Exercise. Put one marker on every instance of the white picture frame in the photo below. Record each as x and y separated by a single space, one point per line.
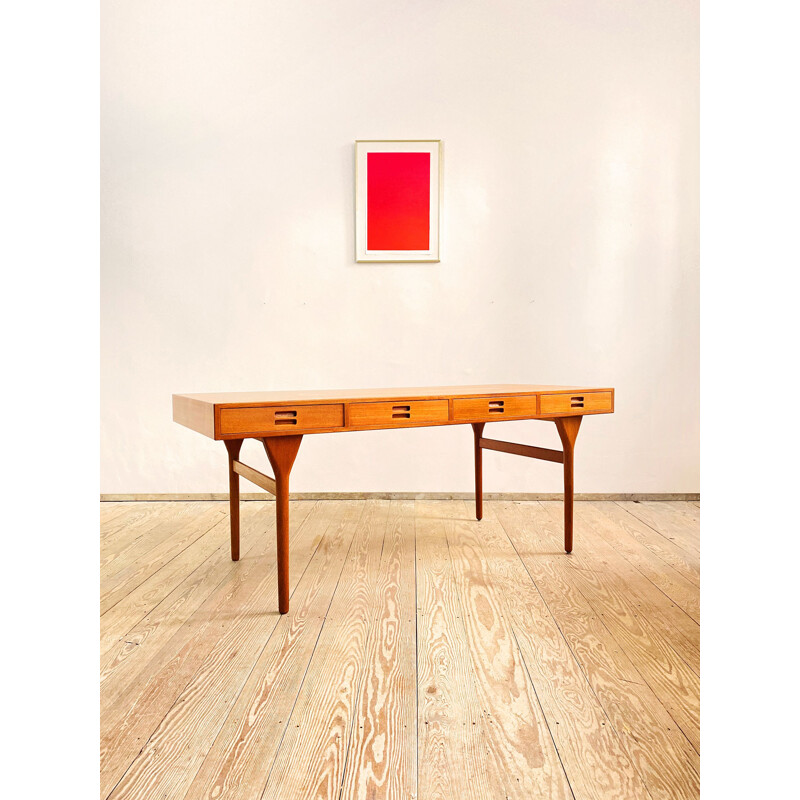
395 223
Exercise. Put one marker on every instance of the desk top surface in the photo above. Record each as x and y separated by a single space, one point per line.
361 395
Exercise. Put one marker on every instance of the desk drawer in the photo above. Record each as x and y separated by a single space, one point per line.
269 419
578 403
493 408
398 413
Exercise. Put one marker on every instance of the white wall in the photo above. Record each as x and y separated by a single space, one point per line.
570 230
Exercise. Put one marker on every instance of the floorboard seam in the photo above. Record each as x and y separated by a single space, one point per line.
636 669
602 582
541 708
416 649
357 693
231 567
314 650
169 561
473 671
177 698
575 656
649 549
646 577
656 530
177 586
260 652
667 639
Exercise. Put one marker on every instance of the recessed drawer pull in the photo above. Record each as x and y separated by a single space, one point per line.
397 414
262 420
576 404
470 409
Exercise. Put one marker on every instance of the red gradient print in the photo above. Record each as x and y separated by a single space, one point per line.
398 201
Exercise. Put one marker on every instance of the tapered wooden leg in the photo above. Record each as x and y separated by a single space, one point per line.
282 451
477 429
234 446
568 431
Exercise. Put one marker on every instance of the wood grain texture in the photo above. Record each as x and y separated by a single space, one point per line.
425 655
124 517
311 396
244 421
577 403
193 413
627 525
644 635
669 580
124 653
122 663
452 746
125 538
396 414
663 755
692 510
631 586
313 753
256 414
139 563
542 453
593 754
518 738
689 510
494 409
382 756
254 476
108 512
130 719
133 607
239 761
675 527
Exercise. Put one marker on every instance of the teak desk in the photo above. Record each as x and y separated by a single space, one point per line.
281 419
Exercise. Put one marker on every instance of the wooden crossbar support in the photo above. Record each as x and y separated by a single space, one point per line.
256 477
528 450
568 431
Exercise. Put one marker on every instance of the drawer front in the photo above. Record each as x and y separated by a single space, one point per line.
280 418
578 403
493 408
399 414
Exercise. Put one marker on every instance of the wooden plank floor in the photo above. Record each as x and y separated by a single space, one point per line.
425 655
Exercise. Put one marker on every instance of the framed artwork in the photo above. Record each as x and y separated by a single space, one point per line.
398 199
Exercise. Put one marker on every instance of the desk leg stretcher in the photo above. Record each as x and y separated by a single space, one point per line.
567 431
